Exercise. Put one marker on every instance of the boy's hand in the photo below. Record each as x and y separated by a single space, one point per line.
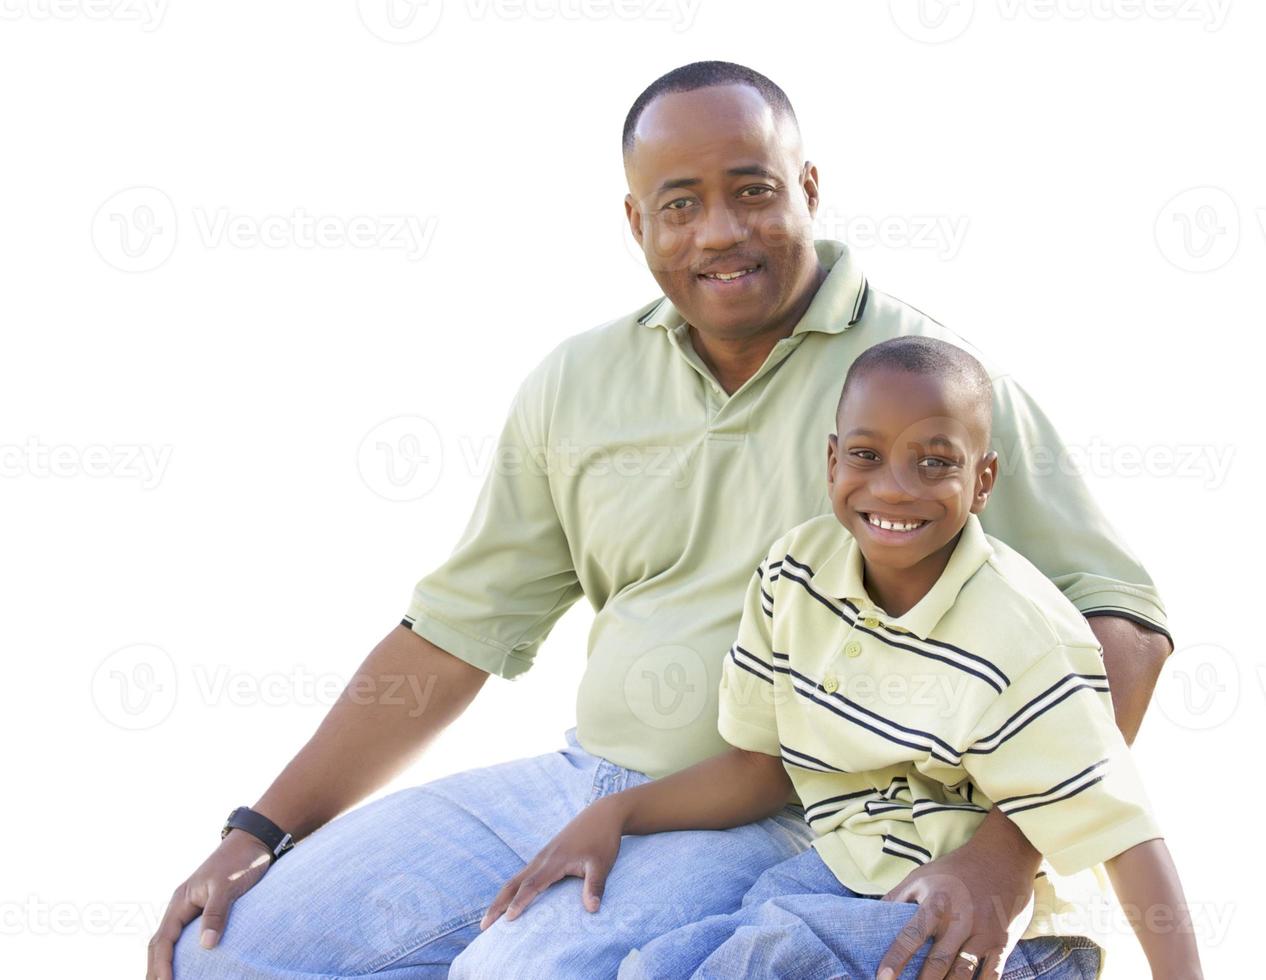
585 848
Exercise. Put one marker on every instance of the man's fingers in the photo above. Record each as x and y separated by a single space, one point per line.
909 941
162 945
214 917
595 884
943 959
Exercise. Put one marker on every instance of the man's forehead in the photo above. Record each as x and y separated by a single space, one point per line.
707 126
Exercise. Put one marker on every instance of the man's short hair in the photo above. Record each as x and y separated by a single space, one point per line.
705 74
926 355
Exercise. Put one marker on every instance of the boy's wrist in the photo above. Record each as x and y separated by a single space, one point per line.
615 808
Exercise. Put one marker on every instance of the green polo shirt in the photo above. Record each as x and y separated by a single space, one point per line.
899 733
625 474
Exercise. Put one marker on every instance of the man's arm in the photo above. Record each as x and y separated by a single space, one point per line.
973 893
368 736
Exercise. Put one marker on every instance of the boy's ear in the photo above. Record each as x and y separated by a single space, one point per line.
832 458
986 476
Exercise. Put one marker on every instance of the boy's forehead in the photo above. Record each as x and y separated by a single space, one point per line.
886 401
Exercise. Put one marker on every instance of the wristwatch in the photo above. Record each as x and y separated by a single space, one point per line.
259 826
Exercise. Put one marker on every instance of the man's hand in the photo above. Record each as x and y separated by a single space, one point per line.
231 870
586 848
968 902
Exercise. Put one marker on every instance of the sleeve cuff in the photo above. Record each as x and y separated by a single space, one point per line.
1102 847
1136 607
477 652
744 735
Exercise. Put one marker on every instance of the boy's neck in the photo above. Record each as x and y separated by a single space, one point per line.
898 590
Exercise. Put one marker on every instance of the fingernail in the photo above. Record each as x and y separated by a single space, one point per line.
209 936
885 974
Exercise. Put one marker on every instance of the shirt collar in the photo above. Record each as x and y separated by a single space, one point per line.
836 306
841 576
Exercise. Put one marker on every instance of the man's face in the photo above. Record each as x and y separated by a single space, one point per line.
723 208
908 465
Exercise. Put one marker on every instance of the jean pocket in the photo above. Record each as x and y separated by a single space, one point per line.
1054 958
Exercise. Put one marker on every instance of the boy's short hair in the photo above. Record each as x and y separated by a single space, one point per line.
926 355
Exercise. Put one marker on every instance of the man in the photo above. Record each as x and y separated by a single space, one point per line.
637 466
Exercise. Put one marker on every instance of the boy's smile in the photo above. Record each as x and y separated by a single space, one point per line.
910 462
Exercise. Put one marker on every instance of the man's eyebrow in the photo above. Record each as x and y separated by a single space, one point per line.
754 170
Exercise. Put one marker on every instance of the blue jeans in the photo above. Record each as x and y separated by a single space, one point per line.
396 888
799 921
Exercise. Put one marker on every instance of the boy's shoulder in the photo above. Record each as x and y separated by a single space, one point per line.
809 543
1026 615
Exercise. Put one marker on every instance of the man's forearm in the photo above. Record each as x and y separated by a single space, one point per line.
1133 656
405 693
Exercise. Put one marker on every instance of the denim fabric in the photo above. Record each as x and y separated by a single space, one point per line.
396 888
799 921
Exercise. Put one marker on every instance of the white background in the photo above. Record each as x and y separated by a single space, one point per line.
173 631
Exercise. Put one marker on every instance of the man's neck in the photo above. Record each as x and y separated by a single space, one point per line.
733 360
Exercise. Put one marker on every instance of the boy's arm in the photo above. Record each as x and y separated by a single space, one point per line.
1147 886
728 790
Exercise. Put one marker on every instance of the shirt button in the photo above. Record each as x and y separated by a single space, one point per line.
853 649
830 684
871 622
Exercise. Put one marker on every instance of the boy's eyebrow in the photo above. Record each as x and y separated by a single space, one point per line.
865 433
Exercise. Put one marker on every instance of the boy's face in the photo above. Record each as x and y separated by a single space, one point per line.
911 453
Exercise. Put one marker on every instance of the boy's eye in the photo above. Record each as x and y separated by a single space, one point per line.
935 462
867 454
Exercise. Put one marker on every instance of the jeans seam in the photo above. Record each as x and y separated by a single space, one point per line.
1029 971
447 928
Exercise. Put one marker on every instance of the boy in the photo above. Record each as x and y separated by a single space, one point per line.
901 672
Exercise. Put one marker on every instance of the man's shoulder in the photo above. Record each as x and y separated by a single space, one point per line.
586 356
885 316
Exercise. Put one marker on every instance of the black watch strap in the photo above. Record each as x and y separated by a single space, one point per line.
258 826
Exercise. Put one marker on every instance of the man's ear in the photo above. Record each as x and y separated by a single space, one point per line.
986 477
809 184
634 216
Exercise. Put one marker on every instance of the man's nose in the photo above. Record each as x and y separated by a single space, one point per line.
721 229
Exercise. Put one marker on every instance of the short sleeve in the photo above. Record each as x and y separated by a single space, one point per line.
745 715
1050 756
1043 509
511 575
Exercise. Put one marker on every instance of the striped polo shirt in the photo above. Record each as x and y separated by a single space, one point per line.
899 733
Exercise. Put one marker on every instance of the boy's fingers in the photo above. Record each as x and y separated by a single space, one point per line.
595 884
532 886
500 902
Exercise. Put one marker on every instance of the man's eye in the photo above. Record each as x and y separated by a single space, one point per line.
757 190
677 204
